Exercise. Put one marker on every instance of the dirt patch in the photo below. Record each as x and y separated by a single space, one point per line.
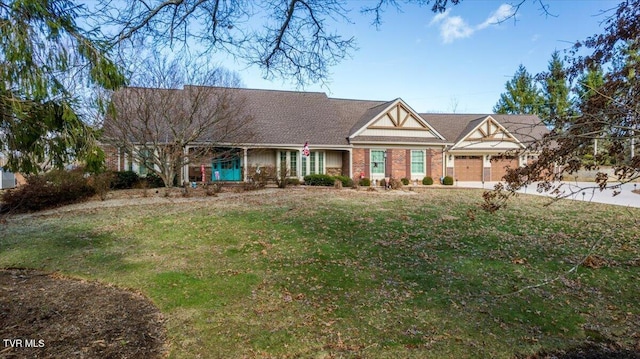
590 351
50 316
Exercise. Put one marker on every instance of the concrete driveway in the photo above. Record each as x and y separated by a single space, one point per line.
580 191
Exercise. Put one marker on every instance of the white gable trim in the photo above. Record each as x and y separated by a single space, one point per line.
481 128
419 124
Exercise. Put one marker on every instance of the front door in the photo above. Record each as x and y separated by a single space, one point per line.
226 169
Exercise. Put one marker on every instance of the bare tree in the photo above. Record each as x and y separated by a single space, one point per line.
164 129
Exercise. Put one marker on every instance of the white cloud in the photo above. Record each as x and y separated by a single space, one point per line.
455 27
504 12
451 27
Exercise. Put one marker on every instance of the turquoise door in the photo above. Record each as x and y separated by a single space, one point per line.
227 169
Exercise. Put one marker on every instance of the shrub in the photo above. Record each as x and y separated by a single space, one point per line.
259 177
405 181
293 181
319 180
101 183
346 181
212 189
365 182
153 180
448 181
124 180
53 189
427 181
395 183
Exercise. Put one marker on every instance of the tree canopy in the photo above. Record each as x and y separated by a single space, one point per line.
522 96
608 109
49 61
44 55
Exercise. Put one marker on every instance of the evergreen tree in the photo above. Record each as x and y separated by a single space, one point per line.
45 55
522 96
556 91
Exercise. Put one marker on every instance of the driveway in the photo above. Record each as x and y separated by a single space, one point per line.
580 191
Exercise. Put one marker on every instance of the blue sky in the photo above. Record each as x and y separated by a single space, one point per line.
453 62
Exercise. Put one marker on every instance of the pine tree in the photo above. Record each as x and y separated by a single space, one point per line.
522 96
45 55
556 91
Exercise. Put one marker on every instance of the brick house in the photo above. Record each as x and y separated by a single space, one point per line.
358 138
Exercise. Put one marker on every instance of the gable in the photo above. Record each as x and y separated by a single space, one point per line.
488 134
397 120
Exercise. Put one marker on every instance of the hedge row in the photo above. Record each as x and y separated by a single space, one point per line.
327 180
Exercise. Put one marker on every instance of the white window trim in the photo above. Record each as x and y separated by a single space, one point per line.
424 163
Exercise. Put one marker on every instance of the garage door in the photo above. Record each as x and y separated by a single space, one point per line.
468 168
500 165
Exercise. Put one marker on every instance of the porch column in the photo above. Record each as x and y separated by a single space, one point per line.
185 166
351 164
245 167
119 151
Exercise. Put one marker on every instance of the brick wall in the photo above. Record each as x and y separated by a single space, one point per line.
399 164
436 164
111 157
359 163
334 171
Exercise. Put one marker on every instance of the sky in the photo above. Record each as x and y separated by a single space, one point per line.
458 61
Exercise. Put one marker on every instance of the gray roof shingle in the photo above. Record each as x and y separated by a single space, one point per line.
293 118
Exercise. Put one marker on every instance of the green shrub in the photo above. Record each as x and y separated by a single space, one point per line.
365 182
448 181
427 181
319 180
53 189
405 181
124 180
346 181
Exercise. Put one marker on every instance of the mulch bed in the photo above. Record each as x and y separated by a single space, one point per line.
46 315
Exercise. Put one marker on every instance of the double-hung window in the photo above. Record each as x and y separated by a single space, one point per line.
377 162
417 162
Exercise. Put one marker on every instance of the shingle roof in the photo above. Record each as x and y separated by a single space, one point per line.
454 127
293 118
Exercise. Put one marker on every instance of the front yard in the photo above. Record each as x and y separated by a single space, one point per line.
326 273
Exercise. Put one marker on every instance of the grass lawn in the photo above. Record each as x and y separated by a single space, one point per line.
342 273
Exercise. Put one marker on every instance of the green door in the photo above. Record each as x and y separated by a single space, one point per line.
227 169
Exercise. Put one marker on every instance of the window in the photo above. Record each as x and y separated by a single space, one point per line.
377 162
145 161
417 162
304 165
290 158
312 160
293 160
314 164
